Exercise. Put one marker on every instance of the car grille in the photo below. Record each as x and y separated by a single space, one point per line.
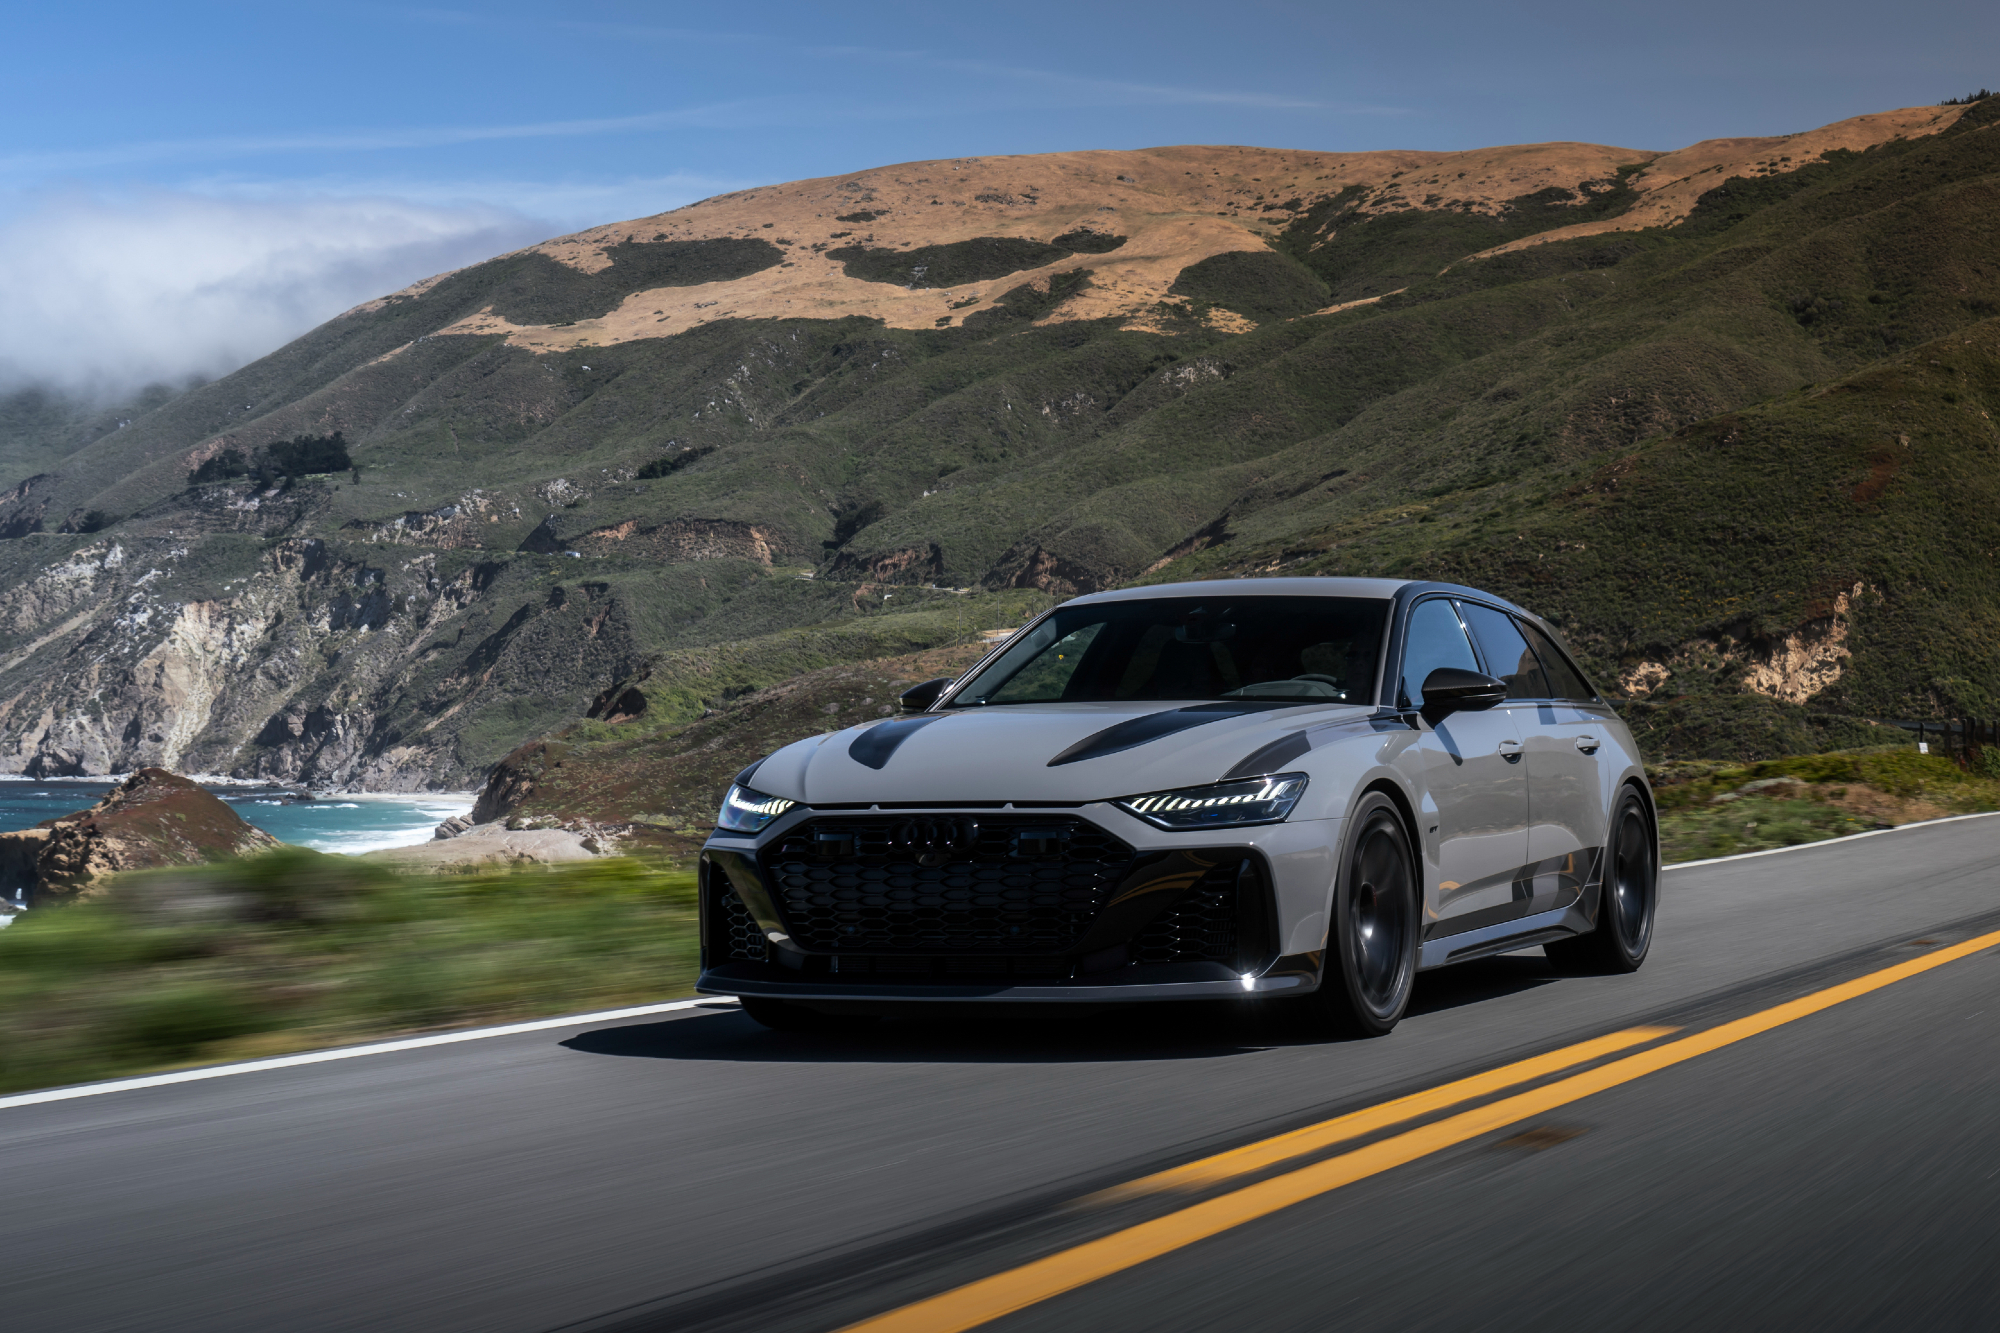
1199 928
741 940
958 967
943 884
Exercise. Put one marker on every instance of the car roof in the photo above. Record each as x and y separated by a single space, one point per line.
1310 586
1292 587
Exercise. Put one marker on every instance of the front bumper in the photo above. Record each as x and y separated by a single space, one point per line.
1167 921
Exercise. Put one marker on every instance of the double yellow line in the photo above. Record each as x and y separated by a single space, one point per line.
989 1298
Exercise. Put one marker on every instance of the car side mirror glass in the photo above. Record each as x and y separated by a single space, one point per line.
918 698
1449 690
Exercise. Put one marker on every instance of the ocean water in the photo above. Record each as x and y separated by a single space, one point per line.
337 823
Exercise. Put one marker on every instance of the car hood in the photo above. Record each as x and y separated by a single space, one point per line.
1041 752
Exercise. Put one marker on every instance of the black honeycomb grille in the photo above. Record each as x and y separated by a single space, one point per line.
1199 928
944 884
742 941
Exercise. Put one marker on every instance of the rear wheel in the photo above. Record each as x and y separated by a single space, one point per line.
786 1016
1625 906
1372 944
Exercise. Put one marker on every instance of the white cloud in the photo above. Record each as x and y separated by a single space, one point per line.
103 293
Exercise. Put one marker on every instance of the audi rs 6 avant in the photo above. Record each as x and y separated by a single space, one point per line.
1253 788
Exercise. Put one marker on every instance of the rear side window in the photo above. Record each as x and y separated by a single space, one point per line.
1564 681
1435 639
1508 655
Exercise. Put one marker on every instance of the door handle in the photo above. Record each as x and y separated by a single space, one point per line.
1510 751
1587 744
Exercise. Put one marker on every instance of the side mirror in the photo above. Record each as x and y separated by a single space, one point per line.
1451 690
919 698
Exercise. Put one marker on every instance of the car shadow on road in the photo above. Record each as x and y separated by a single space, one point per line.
1019 1034
1035 1034
1480 980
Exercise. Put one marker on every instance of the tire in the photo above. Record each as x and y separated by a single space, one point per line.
1371 962
1626 902
785 1016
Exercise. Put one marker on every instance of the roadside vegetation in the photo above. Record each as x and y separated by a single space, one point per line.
1718 809
293 950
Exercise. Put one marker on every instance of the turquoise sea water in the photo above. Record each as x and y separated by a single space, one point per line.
336 823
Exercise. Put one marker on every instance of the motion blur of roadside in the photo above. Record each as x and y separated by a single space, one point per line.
1718 809
295 950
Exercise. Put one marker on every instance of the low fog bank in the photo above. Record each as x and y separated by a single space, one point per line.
103 297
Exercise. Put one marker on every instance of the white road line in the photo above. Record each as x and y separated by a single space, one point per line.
1828 842
345 1053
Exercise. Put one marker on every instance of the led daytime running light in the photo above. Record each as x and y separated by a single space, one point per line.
1266 800
1172 802
747 811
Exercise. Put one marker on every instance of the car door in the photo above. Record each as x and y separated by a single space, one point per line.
1561 728
1476 824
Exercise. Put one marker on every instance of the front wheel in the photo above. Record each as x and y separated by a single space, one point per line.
1372 944
1626 901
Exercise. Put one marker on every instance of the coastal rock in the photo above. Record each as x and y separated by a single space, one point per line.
451 828
513 779
153 818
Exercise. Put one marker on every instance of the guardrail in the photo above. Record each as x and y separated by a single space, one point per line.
1961 740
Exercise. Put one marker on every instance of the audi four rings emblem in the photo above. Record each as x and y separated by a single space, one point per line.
933 841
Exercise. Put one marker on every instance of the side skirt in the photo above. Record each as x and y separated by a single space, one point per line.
1577 919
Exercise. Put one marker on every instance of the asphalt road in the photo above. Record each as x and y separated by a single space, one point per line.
1838 1171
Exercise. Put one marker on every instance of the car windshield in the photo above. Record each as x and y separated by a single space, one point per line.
1303 649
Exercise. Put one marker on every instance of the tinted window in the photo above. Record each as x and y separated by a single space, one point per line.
1307 649
1507 654
1564 682
1435 639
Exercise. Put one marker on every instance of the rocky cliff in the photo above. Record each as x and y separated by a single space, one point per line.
153 818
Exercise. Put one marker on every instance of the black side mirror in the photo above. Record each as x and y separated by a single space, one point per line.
919 698
1451 690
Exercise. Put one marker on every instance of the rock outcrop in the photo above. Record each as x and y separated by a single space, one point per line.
154 818
513 779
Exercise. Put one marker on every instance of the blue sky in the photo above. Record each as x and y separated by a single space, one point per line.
183 186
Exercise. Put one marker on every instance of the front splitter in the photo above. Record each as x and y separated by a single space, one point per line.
1073 993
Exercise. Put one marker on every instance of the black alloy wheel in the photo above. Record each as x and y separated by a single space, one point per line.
1372 962
1626 901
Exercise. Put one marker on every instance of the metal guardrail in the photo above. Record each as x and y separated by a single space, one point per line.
1960 739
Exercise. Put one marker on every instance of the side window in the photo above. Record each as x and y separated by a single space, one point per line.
1564 682
1508 655
1435 639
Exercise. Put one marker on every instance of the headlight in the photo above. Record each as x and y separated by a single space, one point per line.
1220 805
747 811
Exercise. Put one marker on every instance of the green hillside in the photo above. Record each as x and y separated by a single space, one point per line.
1746 460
